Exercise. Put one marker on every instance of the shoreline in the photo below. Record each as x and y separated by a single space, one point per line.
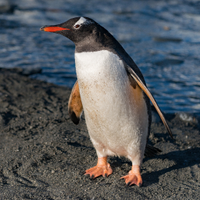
43 155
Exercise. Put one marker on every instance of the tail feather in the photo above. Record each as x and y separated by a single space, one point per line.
151 151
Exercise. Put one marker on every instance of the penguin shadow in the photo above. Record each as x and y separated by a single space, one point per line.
183 159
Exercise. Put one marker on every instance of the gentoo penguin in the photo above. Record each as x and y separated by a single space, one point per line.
112 92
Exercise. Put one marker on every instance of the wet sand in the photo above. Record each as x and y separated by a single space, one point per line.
43 155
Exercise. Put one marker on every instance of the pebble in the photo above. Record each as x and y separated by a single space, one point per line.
186 117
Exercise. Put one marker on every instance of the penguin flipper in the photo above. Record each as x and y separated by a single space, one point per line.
132 74
75 107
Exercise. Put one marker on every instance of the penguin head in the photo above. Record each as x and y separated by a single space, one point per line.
76 29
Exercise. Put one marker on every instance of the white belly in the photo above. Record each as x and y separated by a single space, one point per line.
115 113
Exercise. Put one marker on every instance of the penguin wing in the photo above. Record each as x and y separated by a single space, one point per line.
75 107
136 78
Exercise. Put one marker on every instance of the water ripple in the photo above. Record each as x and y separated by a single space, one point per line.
163 37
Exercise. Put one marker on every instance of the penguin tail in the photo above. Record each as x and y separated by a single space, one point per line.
151 151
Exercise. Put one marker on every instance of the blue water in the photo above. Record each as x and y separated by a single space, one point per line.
163 38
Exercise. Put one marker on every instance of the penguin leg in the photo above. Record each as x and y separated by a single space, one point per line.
134 176
102 168
75 106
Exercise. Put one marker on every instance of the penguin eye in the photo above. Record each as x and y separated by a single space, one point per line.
77 26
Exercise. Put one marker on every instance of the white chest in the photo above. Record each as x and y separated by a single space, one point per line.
101 76
116 114
98 66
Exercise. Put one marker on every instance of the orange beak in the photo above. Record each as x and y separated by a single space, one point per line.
53 28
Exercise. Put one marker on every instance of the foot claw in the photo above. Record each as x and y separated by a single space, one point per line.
127 184
91 177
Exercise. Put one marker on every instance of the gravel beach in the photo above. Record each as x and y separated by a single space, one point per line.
43 155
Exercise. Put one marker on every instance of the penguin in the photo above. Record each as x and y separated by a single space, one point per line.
112 91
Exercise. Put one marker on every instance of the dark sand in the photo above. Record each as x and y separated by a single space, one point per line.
43 155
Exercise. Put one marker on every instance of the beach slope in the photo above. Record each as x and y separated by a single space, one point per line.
43 155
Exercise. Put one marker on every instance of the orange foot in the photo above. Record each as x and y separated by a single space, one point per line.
102 168
134 176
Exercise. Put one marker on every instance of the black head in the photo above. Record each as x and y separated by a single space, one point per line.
76 29
87 35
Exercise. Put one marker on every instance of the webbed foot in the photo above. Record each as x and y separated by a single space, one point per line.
102 168
134 176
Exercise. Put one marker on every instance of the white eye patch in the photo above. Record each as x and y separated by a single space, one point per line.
82 20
